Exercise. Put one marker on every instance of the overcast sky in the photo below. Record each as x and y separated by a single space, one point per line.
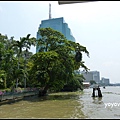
95 25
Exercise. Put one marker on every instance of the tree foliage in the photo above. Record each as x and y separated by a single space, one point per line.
10 50
52 68
55 62
92 82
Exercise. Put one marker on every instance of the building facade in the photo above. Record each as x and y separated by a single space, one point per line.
105 81
56 24
92 75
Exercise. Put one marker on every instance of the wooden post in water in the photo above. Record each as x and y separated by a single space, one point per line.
93 94
99 92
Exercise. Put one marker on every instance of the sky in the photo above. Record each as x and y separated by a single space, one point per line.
95 25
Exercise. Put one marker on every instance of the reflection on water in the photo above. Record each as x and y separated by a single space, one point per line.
97 100
66 105
95 107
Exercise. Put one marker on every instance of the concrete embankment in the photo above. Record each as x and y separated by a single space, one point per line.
14 95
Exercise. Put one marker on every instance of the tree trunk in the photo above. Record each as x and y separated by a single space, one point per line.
5 85
43 92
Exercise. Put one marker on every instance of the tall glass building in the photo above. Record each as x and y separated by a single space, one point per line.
56 24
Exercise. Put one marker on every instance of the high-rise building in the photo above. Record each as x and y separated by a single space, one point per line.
92 75
56 24
105 81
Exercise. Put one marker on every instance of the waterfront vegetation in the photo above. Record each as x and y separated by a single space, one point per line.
51 69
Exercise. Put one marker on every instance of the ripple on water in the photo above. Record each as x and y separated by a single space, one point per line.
95 108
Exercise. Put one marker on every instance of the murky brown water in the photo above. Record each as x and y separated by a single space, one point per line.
65 105
57 105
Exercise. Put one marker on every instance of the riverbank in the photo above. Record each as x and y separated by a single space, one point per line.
17 94
55 105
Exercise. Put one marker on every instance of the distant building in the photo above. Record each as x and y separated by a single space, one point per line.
92 75
105 81
56 24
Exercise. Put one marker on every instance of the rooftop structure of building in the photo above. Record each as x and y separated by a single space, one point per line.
58 24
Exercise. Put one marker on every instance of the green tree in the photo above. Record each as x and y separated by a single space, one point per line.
2 79
92 82
24 43
13 58
55 62
7 59
75 83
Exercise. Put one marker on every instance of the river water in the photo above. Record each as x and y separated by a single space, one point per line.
66 105
106 107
